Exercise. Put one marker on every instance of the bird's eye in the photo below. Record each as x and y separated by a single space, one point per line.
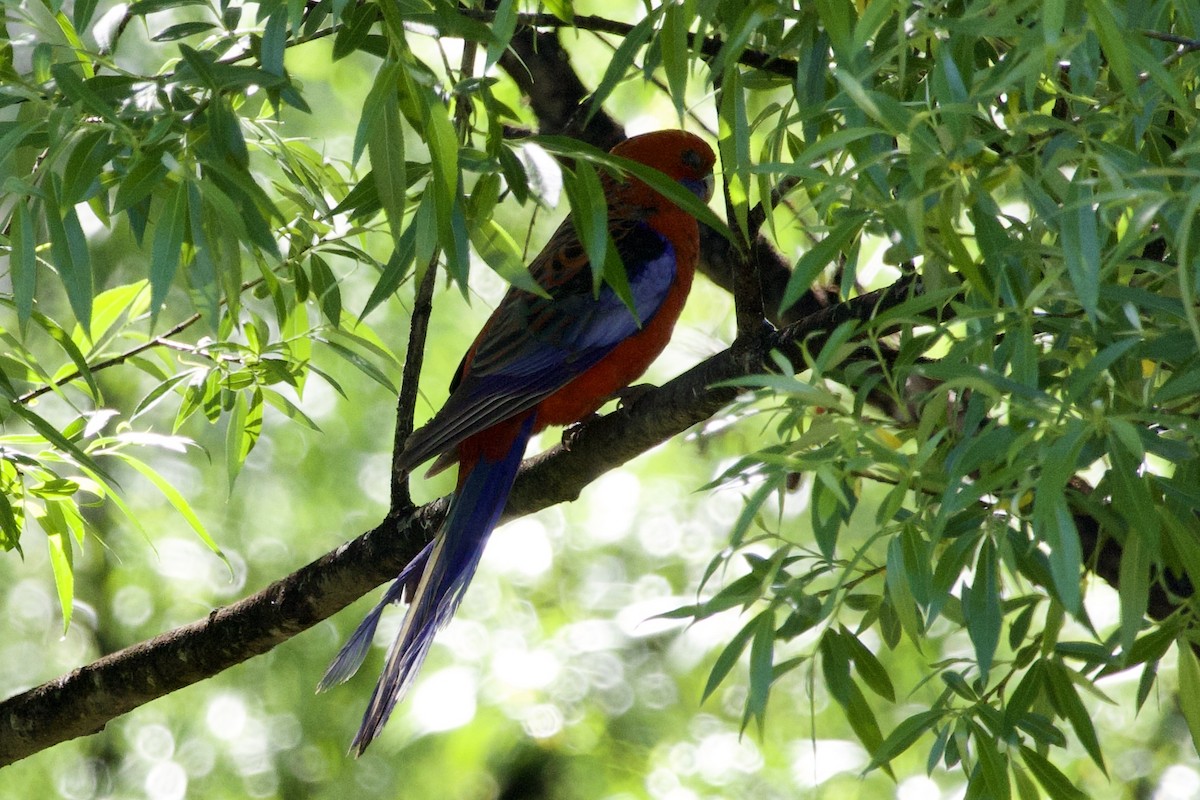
692 159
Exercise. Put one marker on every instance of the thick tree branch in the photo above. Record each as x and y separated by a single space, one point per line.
85 700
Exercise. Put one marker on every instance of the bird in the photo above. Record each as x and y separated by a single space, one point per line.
539 360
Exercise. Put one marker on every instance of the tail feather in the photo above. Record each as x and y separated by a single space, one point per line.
474 513
351 656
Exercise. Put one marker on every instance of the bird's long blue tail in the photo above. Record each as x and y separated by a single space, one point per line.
448 563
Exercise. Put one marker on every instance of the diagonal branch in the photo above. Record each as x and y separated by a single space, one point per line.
85 700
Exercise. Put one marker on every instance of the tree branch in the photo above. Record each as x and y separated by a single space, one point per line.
85 700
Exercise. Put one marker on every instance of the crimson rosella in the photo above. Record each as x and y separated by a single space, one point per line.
538 361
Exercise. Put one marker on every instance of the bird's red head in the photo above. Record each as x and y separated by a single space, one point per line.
677 154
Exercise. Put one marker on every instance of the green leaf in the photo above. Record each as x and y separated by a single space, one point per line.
274 42
10 528
1080 242
23 262
141 178
1115 42
385 144
1189 688
872 672
993 765
396 269
1057 785
1134 573
563 9
169 233
497 248
62 564
762 663
362 365
177 501
73 86
981 607
327 290
673 40
819 257
244 428
69 250
182 30
728 657
289 409
443 156
63 340
622 59
734 144
904 736
1066 699
503 24
589 215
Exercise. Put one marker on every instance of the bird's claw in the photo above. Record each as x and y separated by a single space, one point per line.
571 432
631 394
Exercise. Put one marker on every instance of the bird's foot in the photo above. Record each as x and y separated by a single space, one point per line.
571 432
631 394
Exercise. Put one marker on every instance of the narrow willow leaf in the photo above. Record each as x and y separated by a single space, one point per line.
1189 688
1134 572
497 248
819 257
674 44
622 59
77 90
129 301
503 24
177 501
362 365
396 269
993 765
69 250
274 42
386 82
165 252
869 668
589 215
1080 242
385 145
563 9
55 437
23 262
904 736
1066 699
327 290
728 658
447 191
1115 42
141 177
981 608
62 563
64 340
734 144
10 528
1056 784
762 669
